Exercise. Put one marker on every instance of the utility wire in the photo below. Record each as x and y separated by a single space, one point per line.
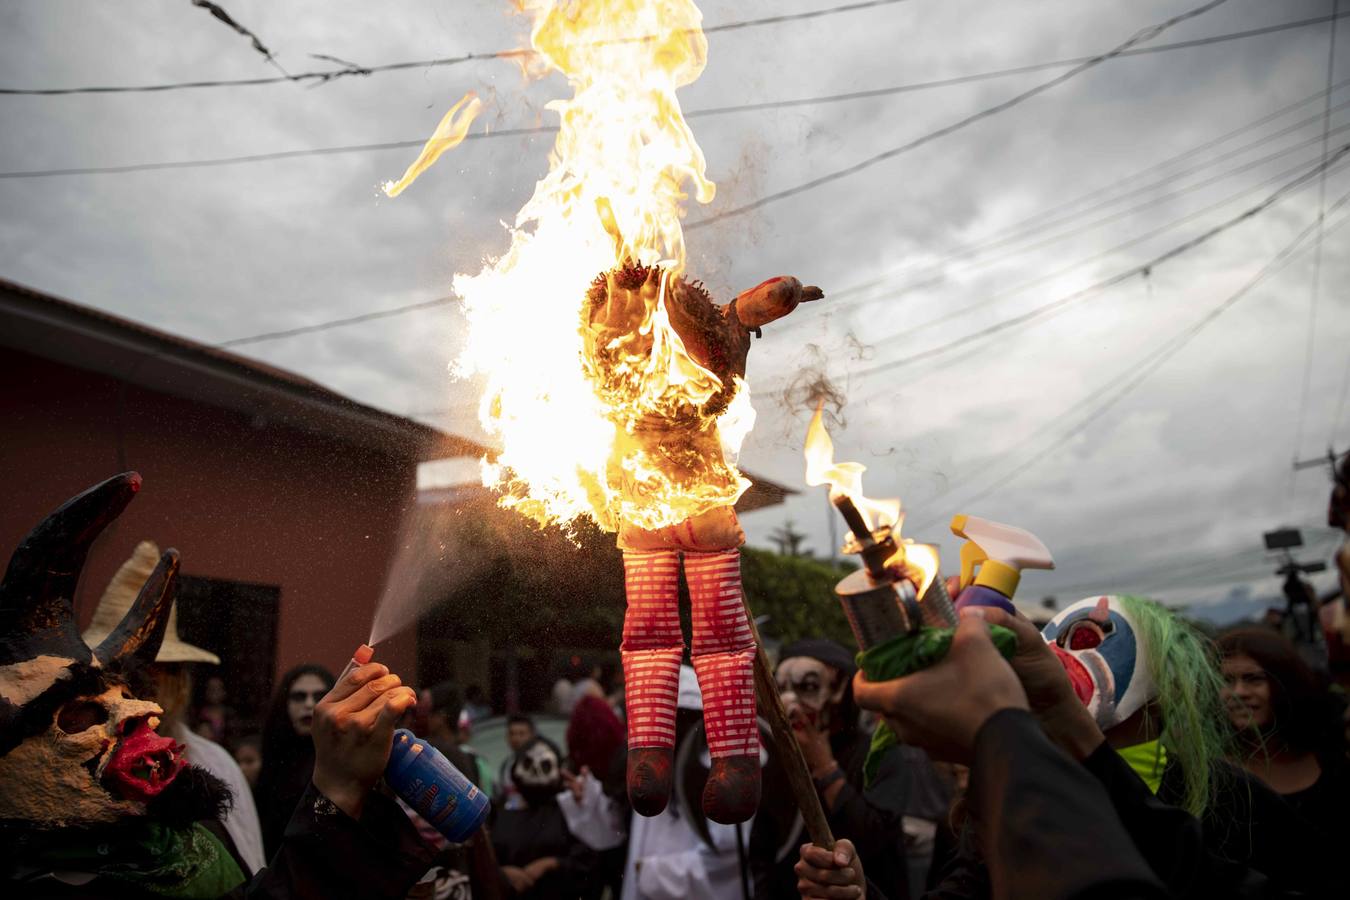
1310 345
335 323
1145 34
692 114
1070 210
978 250
1141 269
324 76
1150 364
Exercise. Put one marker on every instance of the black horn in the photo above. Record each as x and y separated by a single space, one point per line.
141 630
37 594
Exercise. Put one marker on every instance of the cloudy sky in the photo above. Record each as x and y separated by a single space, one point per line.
1166 489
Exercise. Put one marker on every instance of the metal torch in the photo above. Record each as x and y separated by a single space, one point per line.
880 599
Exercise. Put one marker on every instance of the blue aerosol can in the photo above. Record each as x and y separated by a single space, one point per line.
434 788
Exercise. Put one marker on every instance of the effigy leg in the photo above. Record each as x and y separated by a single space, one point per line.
723 656
651 650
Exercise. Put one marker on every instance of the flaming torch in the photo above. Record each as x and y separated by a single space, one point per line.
898 590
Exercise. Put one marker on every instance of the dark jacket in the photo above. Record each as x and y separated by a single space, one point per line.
520 836
1043 825
325 853
871 818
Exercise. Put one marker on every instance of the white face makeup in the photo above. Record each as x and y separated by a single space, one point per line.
306 692
808 686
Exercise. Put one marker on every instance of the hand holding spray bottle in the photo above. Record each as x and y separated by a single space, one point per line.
427 781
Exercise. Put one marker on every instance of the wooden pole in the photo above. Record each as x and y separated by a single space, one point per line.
785 744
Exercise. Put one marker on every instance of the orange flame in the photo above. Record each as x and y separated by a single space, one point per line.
571 431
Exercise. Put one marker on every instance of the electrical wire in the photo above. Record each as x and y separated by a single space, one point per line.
1125 383
270 156
1145 34
336 323
1100 286
322 77
1310 344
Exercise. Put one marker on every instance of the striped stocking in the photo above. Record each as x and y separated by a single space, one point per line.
652 646
723 653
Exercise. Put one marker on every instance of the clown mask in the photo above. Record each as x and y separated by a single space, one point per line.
810 689
1103 652
76 748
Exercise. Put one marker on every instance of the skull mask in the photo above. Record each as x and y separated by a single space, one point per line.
536 771
76 748
1103 652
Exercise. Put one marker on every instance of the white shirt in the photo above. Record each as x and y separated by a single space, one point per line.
677 865
242 820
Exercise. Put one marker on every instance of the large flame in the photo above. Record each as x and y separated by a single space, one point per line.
569 427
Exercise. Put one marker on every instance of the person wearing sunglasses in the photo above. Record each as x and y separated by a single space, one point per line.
288 748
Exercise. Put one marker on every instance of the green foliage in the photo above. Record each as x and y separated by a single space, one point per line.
797 593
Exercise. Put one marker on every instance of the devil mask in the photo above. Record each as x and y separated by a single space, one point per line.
1104 653
76 748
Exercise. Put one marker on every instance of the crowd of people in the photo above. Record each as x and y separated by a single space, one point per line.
1116 752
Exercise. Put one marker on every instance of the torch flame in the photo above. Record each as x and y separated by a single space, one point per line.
845 478
924 558
570 415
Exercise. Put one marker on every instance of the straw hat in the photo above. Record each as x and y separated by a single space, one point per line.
120 594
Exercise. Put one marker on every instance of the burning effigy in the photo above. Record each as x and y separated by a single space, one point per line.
613 383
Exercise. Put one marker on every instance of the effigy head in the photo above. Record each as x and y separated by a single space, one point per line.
76 746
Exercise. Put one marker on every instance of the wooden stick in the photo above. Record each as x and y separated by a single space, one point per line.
799 776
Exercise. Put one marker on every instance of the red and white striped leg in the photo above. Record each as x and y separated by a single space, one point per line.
651 650
724 658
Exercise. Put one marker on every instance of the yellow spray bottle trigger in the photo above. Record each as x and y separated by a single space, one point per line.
1001 552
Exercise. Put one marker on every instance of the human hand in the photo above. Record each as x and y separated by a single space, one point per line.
354 731
520 880
1050 694
943 707
541 867
576 783
836 874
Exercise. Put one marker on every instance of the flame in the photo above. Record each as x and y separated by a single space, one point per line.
448 135
598 406
845 478
924 558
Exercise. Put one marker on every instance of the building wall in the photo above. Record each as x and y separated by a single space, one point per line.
241 500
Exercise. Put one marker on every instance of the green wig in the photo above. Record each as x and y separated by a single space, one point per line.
1194 727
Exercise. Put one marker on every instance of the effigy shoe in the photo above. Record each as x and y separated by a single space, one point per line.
732 792
650 779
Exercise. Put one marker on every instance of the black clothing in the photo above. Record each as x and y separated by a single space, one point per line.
324 853
520 836
1045 825
1325 805
871 819
283 780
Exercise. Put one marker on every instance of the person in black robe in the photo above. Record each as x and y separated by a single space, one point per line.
288 749
539 856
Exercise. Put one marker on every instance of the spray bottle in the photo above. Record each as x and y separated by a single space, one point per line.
1001 552
427 781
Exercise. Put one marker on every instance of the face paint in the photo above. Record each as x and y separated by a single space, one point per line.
809 688
1103 653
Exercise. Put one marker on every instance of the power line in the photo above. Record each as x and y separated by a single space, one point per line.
324 76
335 323
275 155
1036 221
1143 35
1141 269
977 250
1151 363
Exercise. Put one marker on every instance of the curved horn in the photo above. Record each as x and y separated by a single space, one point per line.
36 596
141 630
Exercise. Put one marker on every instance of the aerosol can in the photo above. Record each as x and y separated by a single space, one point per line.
427 781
